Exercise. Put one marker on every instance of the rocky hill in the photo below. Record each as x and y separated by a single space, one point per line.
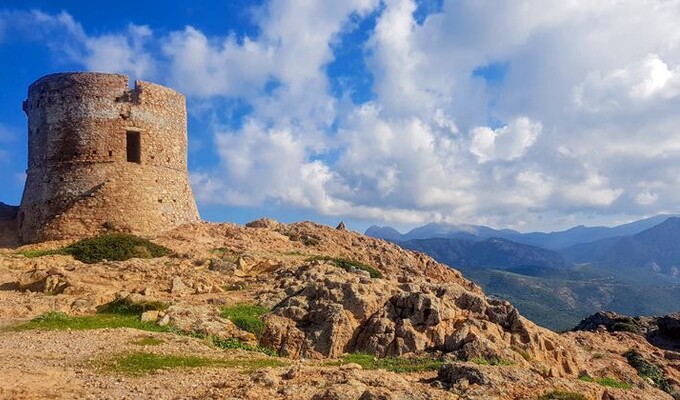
298 311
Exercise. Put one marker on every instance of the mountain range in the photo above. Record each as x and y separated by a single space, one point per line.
557 278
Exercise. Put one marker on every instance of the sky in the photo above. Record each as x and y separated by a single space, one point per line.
525 114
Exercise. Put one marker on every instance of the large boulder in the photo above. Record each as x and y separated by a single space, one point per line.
613 322
669 326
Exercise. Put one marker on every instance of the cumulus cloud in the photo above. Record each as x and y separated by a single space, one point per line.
581 121
123 52
506 143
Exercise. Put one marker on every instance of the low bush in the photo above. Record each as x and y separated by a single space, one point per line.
646 369
114 247
494 361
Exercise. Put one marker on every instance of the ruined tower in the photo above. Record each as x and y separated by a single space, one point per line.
104 157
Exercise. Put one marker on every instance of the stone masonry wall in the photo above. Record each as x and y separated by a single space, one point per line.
79 181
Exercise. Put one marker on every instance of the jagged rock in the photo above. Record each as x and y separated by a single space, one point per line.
292 372
177 286
45 280
204 320
265 377
454 373
263 223
613 322
341 392
341 226
669 326
379 394
150 316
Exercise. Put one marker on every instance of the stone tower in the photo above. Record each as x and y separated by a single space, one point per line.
104 157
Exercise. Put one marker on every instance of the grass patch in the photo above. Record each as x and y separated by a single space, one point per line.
247 317
348 265
608 382
40 253
561 395
142 363
392 364
493 361
148 341
52 321
646 369
233 343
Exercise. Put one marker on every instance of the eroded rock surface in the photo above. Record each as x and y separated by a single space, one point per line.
316 281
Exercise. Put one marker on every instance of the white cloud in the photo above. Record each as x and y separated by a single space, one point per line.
587 107
123 52
506 143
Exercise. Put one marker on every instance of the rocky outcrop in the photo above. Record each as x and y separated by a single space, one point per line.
325 301
614 322
669 326
329 311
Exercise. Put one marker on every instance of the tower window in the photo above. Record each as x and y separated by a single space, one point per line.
134 147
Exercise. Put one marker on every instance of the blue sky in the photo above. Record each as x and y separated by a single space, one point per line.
530 114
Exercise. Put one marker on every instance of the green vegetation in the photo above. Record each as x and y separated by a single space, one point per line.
307 240
348 265
246 316
648 370
148 341
525 354
62 321
393 364
494 361
233 343
561 395
125 307
608 382
113 247
626 327
40 253
142 363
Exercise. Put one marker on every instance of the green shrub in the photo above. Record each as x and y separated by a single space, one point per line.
648 370
247 317
348 265
494 361
562 395
626 327
393 364
114 247
127 307
124 306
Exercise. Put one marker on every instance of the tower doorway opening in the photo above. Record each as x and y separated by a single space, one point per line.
134 147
